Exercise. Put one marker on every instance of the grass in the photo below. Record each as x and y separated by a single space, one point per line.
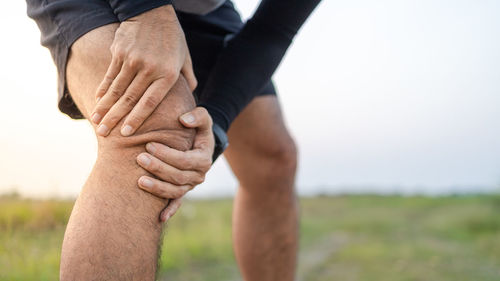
362 237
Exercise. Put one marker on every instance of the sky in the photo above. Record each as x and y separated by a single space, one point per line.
381 96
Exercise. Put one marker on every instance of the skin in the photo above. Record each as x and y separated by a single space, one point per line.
263 157
147 54
113 233
173 169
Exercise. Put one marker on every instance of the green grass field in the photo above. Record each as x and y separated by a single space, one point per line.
342 238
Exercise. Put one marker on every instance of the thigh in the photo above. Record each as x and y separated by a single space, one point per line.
259 139
88 60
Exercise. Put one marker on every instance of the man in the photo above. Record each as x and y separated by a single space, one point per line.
125 66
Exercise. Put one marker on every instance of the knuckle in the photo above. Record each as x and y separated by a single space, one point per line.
130 99
134 120
115 92
180 179
104 85
186 163
118 53
101 109
203 111
164 192
151 102
154 167
170 74
206 164
134 62
108 78
102 90
204 115
178 192
149 67
159 190
199 179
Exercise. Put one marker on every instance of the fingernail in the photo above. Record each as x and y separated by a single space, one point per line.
144 159
150 147
96 118
102 130
188 118
126 130
146 182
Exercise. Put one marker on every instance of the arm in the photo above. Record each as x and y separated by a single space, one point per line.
245 66
251 57
148 52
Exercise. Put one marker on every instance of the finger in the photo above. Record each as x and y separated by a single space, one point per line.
162 189
146 105
126 102
193 160
115 91
171 209
111 73
167 172
200 119
187 71
197 118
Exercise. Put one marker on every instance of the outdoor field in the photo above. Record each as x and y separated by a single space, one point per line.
343 238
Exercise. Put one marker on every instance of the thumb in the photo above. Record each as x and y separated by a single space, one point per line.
197 118
200 119
171 209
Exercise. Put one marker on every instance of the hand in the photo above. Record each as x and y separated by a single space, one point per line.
177 172
148 53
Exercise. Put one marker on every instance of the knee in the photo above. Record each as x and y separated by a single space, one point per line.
162 126
282 156
276 160
266 168
91 51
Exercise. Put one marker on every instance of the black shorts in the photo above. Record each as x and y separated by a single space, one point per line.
62 22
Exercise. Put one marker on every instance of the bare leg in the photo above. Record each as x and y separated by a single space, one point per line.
263 157
114 232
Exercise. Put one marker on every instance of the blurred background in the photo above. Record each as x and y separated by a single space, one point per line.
386 96
393 98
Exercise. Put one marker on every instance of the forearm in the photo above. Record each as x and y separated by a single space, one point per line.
251 57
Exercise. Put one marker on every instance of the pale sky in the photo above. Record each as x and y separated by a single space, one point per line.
380 96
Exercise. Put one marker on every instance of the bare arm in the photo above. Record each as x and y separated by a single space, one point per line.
148 52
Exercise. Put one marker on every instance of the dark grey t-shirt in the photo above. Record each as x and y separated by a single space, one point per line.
199 7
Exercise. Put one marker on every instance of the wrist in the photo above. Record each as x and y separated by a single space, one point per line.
221 141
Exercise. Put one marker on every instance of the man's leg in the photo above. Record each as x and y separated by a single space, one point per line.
114 232
265 225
